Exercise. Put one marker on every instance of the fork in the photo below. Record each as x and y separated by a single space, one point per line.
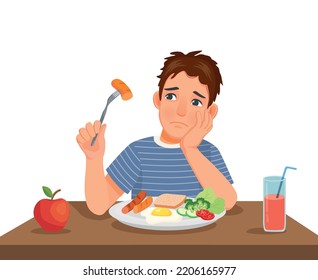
109 100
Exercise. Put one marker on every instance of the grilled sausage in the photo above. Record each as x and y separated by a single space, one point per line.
143 205
139 198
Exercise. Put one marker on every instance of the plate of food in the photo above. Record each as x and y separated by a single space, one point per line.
169 211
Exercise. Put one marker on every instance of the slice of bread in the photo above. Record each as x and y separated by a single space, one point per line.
168 200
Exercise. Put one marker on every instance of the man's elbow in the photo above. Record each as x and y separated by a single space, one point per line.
231 200
97 209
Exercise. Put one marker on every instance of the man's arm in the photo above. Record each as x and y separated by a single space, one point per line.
205 171
209 176
101 192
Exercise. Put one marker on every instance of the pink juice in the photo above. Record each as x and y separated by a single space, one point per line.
274 212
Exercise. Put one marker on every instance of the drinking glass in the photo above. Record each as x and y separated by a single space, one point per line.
274 204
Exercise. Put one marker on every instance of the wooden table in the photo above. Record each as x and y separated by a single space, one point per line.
238 235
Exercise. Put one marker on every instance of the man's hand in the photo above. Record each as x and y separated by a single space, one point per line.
85 137
195 135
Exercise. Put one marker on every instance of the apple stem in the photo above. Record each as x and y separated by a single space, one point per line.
55 193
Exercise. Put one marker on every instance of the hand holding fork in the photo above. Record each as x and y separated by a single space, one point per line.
87 136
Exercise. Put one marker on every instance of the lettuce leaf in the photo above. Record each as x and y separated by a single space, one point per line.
207 194
217 204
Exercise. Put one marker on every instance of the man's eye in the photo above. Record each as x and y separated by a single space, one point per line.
171 96
196 102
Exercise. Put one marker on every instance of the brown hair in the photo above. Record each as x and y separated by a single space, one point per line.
194 65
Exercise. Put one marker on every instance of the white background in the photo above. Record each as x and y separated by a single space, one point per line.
58 58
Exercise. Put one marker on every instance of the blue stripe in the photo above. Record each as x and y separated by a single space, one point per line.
144 165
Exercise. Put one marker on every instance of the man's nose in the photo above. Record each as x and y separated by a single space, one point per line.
182 108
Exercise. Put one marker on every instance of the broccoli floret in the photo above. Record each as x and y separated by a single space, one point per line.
206 204
190 205
201 203
196 205
200 200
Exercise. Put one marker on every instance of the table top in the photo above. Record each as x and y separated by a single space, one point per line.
238 235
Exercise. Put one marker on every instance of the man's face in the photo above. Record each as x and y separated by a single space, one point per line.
182 97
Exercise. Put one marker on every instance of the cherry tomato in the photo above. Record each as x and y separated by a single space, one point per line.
205 214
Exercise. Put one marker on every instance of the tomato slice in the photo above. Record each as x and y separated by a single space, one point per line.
205 214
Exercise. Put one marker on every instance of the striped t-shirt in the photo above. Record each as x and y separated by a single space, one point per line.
155 167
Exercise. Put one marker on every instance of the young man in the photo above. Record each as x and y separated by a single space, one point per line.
179 160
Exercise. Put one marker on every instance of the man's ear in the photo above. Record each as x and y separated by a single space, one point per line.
156 99
213 110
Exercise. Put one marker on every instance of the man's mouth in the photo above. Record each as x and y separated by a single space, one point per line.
179 124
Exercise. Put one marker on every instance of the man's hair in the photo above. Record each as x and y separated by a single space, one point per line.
195 65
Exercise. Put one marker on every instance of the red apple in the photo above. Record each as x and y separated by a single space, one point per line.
51 214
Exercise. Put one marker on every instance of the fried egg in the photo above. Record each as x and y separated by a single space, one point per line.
156 215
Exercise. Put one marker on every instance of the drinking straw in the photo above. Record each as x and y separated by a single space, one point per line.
282 179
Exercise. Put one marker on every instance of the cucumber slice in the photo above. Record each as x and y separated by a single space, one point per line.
182 211
191 214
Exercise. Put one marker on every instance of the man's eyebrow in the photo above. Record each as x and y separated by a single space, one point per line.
198 94
172 88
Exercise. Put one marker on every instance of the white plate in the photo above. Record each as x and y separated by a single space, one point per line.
138 221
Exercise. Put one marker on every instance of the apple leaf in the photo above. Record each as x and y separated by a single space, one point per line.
47 191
